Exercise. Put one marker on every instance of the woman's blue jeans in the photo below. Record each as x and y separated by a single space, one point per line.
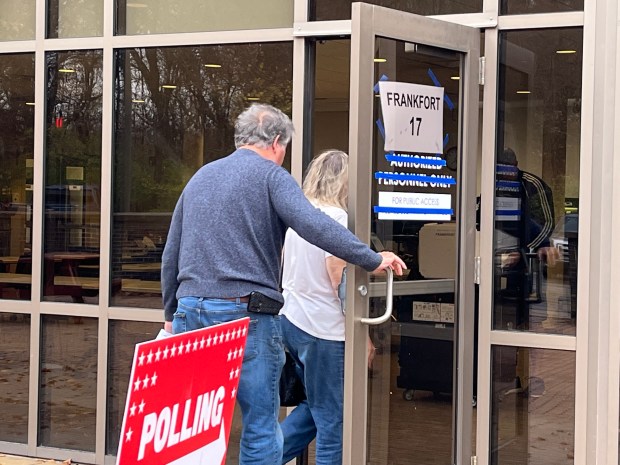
321 366
258 395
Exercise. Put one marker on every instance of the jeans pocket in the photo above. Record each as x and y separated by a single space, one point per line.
179 324
251 343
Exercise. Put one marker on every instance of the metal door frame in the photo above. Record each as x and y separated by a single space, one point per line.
367 23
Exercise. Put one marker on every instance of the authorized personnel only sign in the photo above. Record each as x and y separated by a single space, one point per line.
413 117
181 397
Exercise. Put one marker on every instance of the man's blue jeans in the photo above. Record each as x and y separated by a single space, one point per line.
258 394
321 366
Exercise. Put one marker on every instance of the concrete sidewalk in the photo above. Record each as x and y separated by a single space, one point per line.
16 460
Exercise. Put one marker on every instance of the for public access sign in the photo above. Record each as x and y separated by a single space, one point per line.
413 117
181 397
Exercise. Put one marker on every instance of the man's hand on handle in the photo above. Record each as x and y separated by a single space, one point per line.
391 260
168 327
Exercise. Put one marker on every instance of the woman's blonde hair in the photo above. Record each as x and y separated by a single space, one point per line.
327 179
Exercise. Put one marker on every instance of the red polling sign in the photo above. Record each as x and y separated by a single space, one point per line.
181 397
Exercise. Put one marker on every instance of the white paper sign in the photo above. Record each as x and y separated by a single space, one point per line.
412 206
412 116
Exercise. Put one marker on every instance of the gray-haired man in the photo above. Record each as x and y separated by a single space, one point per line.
225 243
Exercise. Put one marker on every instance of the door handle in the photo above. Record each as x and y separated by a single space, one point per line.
388 304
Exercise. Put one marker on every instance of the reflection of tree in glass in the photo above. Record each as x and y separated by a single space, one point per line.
16 123
177 114
74 105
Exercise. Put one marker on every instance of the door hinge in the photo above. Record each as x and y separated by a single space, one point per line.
474 460
477 270
481 71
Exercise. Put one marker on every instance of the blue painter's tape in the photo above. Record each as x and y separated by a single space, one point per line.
380 127
508 184
446 97
376 87
423 211
414 177
508 212
391 157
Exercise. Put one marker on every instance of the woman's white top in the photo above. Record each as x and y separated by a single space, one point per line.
310 301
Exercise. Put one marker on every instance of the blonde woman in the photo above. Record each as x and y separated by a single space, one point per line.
312 319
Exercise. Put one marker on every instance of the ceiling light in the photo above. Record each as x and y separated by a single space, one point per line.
31 104
66 70
565 52
168 86
252 98
377 95
137 100
212 65
523 92
380 60
455 78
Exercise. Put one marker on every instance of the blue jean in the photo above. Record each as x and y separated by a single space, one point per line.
257 395
321 366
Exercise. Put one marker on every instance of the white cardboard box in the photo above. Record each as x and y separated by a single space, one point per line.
426 311
447 313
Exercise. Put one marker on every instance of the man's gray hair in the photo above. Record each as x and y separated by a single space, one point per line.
260 124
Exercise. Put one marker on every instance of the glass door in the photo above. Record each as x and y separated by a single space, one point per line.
413 144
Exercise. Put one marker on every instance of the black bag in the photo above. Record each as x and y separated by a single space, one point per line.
292 391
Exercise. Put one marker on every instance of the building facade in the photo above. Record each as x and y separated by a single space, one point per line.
502 344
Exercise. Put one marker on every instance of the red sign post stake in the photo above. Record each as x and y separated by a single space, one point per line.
181 397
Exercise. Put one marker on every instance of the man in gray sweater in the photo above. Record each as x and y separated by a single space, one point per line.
225 242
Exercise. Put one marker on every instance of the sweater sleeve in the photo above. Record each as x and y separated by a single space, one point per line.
170 262
315 226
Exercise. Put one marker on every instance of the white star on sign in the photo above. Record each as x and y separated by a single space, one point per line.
195 345
141 360
232 393
149 357
232 374
188 347
235 353
145 382
157 354
132 410
128 435
137 384
240 351
173 350
221 338
202 343
154 379
227 335
230 353
180 349
166 352
243 331
141 406
209 341
237 373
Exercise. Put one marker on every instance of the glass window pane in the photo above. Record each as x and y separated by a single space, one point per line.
14 376
537 180
136 17
123 336
326 10
515 7
74 18
73 176
16 159
68 382
532 406
175 110
17 21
